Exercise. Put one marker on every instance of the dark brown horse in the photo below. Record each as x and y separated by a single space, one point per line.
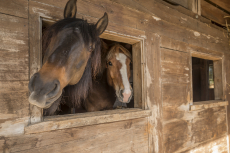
114 82
71 49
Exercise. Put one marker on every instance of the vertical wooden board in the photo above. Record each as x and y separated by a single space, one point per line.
14 7
218 81
125 136
227 92
213 13
209 124
137 74
14 48
153 95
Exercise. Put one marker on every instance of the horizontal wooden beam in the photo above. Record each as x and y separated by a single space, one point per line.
77 120
222 3
207 104
213 13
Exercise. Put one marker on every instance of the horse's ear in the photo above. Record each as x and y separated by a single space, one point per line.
70 9
102 23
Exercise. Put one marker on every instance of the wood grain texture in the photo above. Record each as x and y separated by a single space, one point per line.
14 110
137 52
14 48
167 13
194 128
153 95
222 3
145 21
117 137
208 104
213 13
227 92
91 118
14 98
218 79
17 8
218 145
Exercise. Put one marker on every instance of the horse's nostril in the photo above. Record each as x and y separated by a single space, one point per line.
121 93
54 90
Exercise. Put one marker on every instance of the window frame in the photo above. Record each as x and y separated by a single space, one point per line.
219 79
114 32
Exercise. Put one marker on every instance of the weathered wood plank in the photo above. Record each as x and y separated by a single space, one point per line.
227 97
209 123
222 3
163 12
90 118
173 44
137 74
175 135
208 104
14 7
136 19
114 137
174 94
218 79
153 95
213 13
218 145
14 48
14 98
190 129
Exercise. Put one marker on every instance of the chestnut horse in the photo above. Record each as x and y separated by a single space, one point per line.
72 56
114 82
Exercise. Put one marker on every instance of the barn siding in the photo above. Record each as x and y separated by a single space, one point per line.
169 36
14 67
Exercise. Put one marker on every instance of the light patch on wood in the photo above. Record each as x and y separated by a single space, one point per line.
149 78
208 36
185 19
143 36
7 116
186 68
13 127
13 40
41 12
156 18
197 34
183 107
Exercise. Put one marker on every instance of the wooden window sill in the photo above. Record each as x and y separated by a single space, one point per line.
84 119
207 104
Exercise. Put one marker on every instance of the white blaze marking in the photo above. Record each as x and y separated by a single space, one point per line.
122 58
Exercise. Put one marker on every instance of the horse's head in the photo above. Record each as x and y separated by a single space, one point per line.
118 72
69 46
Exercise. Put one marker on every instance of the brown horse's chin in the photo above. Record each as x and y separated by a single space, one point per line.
43 102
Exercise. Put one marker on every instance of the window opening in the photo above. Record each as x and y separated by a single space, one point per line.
203 79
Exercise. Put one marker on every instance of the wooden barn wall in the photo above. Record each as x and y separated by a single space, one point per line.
169 38
14 69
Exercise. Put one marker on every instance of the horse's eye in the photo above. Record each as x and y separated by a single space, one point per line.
110 63
90 48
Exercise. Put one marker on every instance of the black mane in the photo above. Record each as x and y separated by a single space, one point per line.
74 94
